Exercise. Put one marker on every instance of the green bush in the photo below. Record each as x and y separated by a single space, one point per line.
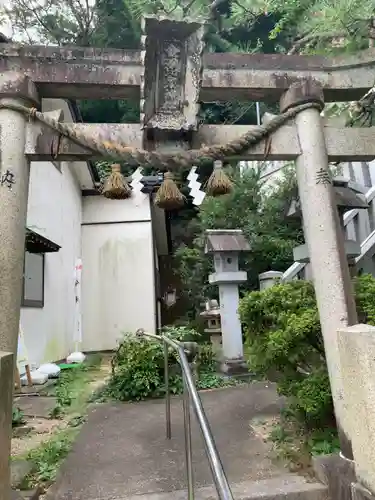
137 370
17 417
138 367
284 341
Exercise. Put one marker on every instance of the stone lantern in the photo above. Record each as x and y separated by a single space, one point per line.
212 315
225 246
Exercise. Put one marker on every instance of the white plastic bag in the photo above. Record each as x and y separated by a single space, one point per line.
50 369
76 357
37 378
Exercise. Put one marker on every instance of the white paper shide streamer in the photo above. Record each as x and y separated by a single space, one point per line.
77 356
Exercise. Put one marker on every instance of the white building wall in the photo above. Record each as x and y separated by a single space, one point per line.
54 211
118 277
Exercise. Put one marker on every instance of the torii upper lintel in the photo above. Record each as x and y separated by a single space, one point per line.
91 73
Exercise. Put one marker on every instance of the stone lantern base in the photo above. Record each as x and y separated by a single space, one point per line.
234 367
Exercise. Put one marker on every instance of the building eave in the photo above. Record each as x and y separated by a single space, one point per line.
36 243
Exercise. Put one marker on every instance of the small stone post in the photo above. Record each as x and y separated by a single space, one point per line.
212 315
6 402
14 181
324 239
269 279
225 245
357 350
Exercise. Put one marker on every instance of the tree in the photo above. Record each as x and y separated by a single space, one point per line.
117 24
326 25
50 21
261 214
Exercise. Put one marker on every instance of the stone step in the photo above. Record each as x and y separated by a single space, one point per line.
286 487
19 469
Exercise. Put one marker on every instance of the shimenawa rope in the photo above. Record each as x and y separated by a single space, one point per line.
118 150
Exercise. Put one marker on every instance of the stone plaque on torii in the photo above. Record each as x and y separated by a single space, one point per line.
170 74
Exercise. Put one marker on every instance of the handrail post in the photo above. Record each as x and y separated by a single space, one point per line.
187 352
220 479
188 445
167 393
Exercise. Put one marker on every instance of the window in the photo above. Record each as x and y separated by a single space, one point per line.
33 280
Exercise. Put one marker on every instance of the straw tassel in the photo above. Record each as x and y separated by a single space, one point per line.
115 185
168 196
218 183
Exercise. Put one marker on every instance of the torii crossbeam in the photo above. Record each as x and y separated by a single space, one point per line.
91 73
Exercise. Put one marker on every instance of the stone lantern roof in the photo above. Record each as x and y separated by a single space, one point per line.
225 240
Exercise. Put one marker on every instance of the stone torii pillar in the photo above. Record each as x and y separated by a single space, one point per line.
325 242
225 245
15 88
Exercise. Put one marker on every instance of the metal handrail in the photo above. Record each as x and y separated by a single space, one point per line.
191 396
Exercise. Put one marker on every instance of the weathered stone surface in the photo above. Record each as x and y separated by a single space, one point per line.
14 84
15 495
332 282
19 469
172 74
76 72
343 144
36 406
337 474
357 350
21 431
26 494
301 252
14 186
266 76
6 396
302 92
225 240
89 73
269 279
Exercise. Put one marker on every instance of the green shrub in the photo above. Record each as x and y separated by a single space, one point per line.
17 417
365 298
284 340
138 367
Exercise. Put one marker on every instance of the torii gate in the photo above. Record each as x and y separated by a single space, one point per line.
171 75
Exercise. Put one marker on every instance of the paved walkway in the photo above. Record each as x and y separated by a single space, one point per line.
122 450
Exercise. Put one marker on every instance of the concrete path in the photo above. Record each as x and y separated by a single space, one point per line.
122 450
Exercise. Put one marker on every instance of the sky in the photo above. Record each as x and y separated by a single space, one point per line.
5 28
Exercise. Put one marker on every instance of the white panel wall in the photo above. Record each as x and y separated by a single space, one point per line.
118 278
54 211
100 209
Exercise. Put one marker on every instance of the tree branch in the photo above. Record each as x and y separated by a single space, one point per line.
215 4
314 37
187 7
252 14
